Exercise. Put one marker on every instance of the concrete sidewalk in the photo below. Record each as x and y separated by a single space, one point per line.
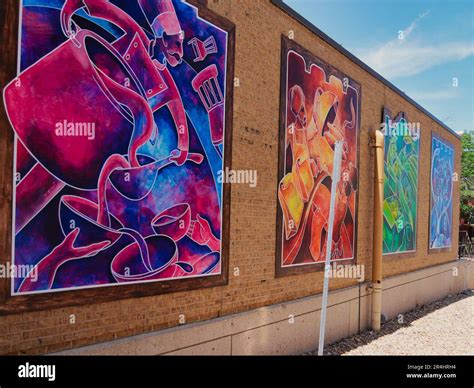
445 327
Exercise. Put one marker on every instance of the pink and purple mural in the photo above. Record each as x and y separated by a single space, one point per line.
118 111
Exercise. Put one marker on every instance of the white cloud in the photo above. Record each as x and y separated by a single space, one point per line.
395 61
443 94
405 57
407 31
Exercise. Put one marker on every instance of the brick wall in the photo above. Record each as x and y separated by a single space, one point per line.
259 25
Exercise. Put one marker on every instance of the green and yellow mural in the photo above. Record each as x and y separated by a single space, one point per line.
401 156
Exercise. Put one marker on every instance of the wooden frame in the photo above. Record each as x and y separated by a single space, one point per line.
287 45
405 255
9 19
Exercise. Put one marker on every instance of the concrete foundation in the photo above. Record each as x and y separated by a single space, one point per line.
293 327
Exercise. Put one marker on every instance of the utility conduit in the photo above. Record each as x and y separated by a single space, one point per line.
377 142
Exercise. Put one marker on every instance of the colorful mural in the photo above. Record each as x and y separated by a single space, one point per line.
119 115
320 107
441 203
401 157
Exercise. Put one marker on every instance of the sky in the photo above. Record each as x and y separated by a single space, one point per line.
424 47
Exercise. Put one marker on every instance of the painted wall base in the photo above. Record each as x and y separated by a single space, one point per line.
293 327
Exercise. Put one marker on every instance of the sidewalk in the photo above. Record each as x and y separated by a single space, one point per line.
445 327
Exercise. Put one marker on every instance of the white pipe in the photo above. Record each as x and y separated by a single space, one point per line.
336 173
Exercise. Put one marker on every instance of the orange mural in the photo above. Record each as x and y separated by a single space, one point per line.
320 106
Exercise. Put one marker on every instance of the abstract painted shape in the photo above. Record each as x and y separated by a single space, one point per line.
203 49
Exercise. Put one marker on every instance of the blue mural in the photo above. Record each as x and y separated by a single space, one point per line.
441 204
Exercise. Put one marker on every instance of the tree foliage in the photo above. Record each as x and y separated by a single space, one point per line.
467 178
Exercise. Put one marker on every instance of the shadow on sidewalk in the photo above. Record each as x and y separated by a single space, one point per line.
366 337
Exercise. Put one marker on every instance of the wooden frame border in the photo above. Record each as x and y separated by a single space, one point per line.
9 19
287 45
446 249
410 254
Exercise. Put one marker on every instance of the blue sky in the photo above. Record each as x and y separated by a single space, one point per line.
437 46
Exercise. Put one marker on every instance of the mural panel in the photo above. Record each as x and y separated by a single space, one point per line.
319 107
119 119
401 158
441 202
